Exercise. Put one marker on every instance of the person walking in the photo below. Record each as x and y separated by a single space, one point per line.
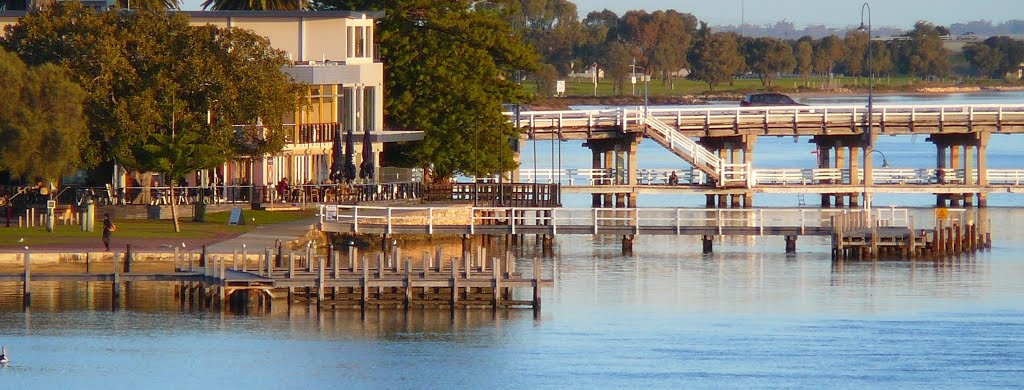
108 227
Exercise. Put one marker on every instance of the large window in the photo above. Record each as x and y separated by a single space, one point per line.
369 104
360 42
348 112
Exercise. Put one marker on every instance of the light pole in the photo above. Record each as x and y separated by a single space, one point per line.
868 177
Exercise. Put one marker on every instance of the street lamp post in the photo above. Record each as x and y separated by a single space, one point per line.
868 177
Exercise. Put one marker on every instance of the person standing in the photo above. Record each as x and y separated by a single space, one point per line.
108 227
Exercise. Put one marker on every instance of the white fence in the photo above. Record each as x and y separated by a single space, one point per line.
767 177
553 218
704 117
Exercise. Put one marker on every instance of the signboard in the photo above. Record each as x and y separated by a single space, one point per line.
633 79
941 213
560 87
236 217
51 204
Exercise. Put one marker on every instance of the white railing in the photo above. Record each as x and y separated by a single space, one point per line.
686 148
769 177
705 117
593 218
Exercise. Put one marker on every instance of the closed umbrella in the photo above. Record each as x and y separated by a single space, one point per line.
349 171
366 168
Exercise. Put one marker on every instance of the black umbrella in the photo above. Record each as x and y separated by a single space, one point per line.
336 174
366 168
349 171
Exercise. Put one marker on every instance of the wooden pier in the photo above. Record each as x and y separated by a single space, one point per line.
857 237
336 279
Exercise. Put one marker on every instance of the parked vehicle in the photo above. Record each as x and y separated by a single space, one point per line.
767 99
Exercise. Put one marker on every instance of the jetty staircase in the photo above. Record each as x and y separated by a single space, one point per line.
723 174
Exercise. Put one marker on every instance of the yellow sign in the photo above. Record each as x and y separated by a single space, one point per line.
941 213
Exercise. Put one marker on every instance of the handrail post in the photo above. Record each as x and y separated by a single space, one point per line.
355 218
389 220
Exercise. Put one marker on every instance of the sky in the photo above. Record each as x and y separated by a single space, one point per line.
831 13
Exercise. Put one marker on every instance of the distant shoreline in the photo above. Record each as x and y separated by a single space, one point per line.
564 103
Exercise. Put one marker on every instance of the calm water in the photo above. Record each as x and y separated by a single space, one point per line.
667 317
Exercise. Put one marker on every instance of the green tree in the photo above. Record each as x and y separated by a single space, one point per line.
42 127
450 69
1012 51
140 69
768 57
827 53
176 155
925 55
983 58
715 58
804 59
674 34
552 27
617 64
856 43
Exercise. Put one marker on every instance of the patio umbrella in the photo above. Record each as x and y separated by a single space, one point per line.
349 171
336 174
366 168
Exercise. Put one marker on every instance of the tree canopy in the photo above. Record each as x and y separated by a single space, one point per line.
146 69
449 68
42 133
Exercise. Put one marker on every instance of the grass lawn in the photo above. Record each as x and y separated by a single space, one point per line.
142 231
585 87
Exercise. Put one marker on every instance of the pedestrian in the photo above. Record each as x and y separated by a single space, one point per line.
673 179
108 227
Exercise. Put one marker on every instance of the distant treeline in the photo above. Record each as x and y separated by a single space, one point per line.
666 44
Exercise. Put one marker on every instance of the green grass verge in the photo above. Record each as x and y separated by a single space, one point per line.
216 225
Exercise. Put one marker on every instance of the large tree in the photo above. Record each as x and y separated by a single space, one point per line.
144 70
804 54
768 57
925 56
715 58
42 127
450 67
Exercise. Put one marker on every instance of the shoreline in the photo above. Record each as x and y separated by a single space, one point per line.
565 103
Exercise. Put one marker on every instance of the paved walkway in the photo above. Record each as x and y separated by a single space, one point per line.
265 236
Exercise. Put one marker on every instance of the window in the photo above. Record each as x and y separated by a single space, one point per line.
360 42
348 112
351 41
368 108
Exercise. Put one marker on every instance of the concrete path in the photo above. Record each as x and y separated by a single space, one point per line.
265 236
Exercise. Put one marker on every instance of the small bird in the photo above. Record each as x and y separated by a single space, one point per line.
3 356
22 239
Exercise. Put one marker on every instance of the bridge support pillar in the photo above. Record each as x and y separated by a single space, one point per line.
791 244
709 201
748 200
708 242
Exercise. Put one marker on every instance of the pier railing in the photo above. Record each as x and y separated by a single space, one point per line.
529 220
851 116
772 177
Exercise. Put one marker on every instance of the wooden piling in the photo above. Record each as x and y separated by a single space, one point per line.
408 283
26 291
320 281
536 285
455 283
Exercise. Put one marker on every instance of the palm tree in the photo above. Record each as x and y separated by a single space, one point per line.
256 5
176 156
149 4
